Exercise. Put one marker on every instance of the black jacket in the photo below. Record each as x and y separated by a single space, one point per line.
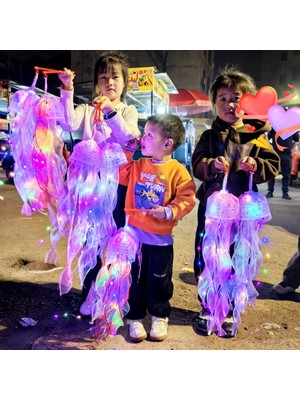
223 140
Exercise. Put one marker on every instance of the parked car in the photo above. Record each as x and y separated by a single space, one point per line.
71 139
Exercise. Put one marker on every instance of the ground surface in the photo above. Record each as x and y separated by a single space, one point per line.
28 288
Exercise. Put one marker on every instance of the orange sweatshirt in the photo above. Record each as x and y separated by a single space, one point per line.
150 184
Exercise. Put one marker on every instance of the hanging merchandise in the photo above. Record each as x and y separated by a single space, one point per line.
231 253
22 132
87 203
220 228
247 258
79 199
109 295
40 167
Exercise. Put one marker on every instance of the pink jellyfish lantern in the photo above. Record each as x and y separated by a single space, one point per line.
222 212
109 301
79 211
247 258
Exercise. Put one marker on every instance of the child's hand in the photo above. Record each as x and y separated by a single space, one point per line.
132 144
67 78
157 212
221 164
106 105
248 164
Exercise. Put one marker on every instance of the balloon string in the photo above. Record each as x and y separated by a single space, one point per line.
46 84
226 170
126 219
251 170
34 81
251 181
225 179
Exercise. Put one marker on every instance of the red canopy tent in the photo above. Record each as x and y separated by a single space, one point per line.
189 102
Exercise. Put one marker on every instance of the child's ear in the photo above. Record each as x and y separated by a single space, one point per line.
169 143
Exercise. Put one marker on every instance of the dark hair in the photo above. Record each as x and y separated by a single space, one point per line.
172 127
111 59
232 78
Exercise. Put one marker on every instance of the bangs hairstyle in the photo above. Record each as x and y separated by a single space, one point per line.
171 127
232 78
110 61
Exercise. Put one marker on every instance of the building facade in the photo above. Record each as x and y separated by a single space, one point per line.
188 69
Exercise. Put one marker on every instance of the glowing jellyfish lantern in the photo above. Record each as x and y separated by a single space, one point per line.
79 211
109 302
222 212
247 257
22 130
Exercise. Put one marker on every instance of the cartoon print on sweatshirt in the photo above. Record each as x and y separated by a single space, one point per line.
149 192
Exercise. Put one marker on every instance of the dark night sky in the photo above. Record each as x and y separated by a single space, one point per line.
20 68
248 60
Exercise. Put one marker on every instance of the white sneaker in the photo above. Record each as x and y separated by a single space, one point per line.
159 329
136 329
283 288
85 308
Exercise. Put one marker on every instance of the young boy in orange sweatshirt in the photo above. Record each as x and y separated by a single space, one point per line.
160 192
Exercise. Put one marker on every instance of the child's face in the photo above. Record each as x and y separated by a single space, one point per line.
226 103
111 83
152 142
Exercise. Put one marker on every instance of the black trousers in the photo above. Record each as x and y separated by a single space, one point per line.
151 287
285 169
198 260
119 217
291 274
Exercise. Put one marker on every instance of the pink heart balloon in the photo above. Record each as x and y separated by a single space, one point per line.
280 119
265 98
